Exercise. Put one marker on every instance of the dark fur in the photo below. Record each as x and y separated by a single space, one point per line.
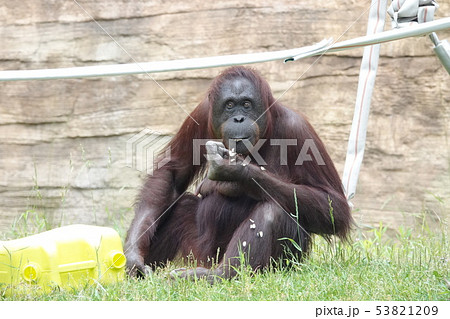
169 221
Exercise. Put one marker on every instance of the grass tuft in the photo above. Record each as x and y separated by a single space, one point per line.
412 266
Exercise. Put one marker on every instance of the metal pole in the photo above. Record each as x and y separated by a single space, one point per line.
442 50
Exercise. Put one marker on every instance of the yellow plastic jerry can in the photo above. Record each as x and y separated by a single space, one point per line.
68 257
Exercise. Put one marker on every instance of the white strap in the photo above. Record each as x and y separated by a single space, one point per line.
405 13
367 74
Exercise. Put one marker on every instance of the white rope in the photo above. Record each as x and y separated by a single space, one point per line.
386 36
160 66
227 60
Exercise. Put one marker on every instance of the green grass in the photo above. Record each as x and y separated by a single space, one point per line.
412 266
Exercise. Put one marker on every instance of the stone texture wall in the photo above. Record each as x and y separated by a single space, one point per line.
63 142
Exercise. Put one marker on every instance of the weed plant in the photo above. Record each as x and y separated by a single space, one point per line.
412 266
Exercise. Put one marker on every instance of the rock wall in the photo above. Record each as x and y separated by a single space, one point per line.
63 142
